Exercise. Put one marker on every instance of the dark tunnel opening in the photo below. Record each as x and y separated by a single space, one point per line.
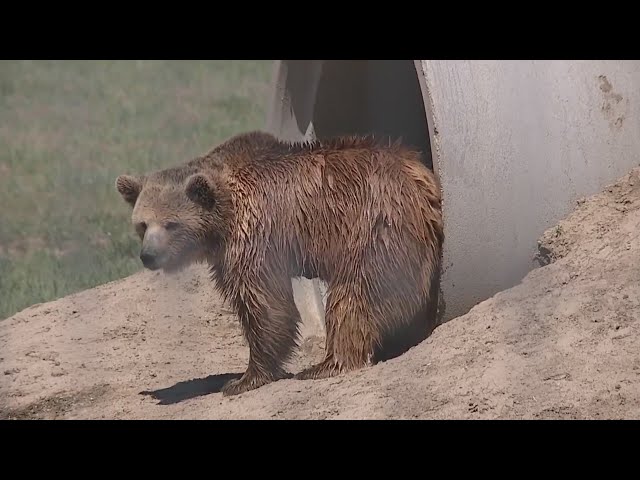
382 97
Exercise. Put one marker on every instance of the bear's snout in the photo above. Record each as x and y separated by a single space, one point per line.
153 247
149 260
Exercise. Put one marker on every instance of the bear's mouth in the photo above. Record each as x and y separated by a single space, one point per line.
174 267
179 262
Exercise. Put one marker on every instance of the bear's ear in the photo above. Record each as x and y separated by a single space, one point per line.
200 190
129 187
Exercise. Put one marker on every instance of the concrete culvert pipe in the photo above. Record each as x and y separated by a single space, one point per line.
514 144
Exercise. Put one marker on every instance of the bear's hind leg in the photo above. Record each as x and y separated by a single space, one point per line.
351 335
270 321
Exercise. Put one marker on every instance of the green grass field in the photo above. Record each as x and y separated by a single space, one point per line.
69 128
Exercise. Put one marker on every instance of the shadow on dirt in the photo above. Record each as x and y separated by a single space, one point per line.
191 388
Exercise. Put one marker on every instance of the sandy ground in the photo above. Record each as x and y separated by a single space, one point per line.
561 344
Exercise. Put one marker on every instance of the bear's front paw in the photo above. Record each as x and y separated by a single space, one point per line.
243 384
325 369
251 381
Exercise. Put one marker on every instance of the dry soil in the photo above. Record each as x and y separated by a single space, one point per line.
561 344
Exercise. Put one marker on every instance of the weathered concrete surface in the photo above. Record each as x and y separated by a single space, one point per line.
517 143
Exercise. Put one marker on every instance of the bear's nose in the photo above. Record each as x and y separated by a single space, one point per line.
148 260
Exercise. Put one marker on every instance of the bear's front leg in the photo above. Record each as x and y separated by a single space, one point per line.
269 319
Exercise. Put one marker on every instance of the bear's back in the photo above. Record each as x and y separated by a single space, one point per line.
317 199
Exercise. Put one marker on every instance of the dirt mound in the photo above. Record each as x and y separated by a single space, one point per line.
561 344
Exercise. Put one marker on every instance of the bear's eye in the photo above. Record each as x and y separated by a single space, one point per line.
171 225
141 228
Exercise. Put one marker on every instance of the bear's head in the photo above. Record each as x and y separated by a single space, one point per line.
181 215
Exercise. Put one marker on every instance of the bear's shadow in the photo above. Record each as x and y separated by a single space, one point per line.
189 389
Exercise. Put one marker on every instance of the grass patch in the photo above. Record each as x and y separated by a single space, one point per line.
69 128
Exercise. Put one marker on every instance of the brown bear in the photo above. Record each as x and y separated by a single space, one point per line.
363 216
